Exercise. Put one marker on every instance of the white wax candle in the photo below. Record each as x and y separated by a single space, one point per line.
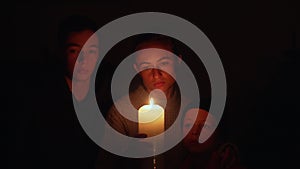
151 119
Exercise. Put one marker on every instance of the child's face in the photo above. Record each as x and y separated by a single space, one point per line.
195 123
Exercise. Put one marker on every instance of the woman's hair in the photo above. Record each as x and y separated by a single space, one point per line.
74 23
150 38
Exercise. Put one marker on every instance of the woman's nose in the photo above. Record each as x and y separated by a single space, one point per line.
156 73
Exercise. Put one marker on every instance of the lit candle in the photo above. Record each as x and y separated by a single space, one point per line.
151 119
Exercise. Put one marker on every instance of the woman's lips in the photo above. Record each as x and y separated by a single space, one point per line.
159 84
83 71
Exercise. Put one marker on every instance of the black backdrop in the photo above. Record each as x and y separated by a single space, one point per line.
258 43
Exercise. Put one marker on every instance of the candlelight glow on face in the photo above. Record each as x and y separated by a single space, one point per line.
151 119
156 65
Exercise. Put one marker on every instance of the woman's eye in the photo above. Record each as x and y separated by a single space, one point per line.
92 51
164 63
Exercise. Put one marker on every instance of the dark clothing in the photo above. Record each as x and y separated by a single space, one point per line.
225 156
61 142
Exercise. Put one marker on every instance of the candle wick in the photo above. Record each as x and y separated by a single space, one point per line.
151 102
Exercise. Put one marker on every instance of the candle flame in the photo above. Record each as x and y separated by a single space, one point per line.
151 102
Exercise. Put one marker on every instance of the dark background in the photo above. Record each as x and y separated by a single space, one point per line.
257 41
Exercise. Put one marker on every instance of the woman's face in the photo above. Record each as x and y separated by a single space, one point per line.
156 67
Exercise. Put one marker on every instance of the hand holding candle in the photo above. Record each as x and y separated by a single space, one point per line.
151 119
